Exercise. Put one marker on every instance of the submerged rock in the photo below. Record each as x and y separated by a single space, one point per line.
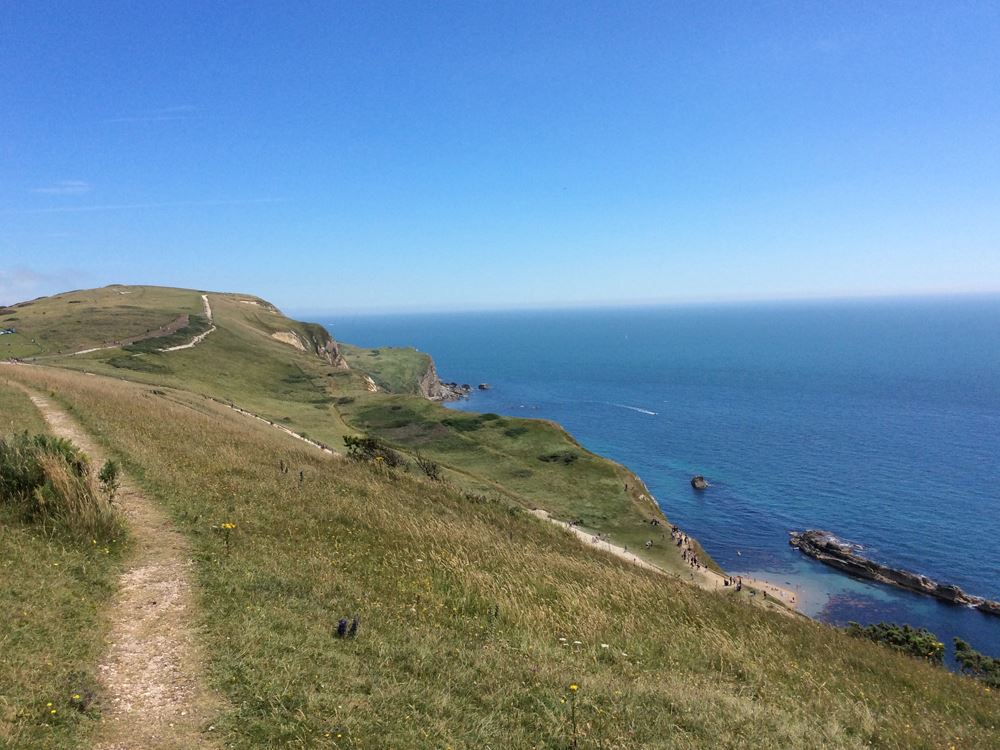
699 482
828 549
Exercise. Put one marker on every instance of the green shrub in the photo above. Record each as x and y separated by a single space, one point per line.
467 424
515 431
430 468
913 641
365 448
48 481
564 457
980 666
110 479
126 362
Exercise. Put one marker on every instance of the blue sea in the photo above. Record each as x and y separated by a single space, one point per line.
876 420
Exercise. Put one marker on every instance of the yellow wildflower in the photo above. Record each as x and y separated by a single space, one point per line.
574 687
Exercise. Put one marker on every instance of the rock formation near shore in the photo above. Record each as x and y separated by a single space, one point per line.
433 389
323 344
828 549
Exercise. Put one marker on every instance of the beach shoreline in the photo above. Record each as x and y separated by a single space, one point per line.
784 599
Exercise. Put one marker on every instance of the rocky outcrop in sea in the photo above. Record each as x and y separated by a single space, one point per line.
828 549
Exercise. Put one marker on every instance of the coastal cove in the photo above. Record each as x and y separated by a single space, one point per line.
876 420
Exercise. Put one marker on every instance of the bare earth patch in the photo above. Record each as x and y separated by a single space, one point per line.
288 337
154 693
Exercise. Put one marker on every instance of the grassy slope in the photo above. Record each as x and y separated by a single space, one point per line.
504 454
394 369
53 592
240 363
462 605
85 319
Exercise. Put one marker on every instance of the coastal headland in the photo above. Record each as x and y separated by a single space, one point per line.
461 550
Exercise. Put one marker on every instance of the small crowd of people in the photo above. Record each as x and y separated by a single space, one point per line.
688 554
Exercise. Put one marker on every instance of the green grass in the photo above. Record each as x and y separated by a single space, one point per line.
394 369
85 319
197 324
54 590
463 601
241 363
511 456
463 596
18 413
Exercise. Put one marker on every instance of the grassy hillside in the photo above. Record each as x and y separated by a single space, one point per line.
95 317
532 462
54 590
394 369
475 616
476 619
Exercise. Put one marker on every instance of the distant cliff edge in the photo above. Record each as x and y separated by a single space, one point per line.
431 387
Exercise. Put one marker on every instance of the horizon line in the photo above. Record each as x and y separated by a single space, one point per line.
630 304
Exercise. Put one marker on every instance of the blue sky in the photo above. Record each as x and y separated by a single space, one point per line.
428 156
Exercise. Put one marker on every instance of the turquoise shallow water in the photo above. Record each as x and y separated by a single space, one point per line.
877 420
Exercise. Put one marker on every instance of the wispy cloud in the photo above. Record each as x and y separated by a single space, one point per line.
139 206
165 114
21 282
63 187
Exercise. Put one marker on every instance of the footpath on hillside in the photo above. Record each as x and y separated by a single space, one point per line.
201 336
154 692
702 577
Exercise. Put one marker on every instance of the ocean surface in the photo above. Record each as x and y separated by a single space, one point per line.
876 420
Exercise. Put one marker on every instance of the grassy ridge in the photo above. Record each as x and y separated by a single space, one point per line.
241 363
84 319
533 462
54 589
463 604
